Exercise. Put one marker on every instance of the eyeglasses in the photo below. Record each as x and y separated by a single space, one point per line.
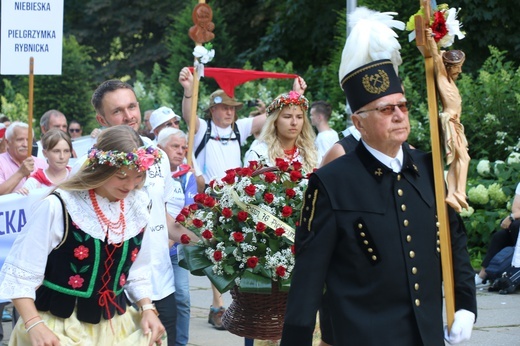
171 123
74 130
389 109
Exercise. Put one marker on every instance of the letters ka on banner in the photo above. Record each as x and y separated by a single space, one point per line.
31 29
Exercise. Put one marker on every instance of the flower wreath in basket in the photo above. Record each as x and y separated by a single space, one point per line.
245 223
444 24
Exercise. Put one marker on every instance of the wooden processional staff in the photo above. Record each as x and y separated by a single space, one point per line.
421 23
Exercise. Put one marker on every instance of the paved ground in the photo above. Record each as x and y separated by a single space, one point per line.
498 322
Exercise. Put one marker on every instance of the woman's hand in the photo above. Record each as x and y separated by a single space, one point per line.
186 80
150 323
299 85
41 335
506 222
23 191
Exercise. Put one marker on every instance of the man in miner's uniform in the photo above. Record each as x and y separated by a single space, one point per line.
368 233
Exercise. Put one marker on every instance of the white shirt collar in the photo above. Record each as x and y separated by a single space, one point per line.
394 163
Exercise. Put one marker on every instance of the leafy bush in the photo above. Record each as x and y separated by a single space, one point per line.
491 189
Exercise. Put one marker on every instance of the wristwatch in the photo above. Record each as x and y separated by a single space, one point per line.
511 217
145 307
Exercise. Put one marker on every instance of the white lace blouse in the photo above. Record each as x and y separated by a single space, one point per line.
24 267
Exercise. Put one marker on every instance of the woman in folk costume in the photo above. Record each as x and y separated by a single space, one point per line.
287 134
57 149
83 253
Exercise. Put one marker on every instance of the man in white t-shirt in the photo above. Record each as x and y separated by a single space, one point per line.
221 147
116 104
320 112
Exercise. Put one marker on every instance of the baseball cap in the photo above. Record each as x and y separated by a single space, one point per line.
2 130
161 115
220 97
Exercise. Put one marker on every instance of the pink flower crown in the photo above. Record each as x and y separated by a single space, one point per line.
291 98
140 159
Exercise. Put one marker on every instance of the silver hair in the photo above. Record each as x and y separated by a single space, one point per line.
165 134
9 133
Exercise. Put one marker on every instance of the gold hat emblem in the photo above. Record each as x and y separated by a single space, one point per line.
376 83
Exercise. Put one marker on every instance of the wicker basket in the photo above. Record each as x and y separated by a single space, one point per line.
256 316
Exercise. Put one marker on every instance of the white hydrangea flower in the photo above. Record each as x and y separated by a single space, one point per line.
514 157
484 168
478 195
498 166
467 212
497 194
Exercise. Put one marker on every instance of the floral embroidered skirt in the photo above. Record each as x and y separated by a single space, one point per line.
120 330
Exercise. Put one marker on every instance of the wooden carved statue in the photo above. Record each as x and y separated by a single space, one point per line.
448 66
201 32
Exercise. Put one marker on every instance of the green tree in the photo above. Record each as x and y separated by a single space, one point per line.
69 92
13 104
126 35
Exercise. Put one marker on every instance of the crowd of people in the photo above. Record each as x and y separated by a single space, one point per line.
99 258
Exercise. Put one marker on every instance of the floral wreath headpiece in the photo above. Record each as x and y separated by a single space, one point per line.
140 159
444 24
291 98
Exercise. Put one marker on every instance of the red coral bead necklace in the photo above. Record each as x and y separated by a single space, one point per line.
118 227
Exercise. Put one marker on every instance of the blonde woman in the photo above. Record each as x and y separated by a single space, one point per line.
287 134
70 283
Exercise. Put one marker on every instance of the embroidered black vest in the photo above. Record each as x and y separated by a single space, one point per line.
87 274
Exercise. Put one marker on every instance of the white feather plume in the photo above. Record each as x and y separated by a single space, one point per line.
371 38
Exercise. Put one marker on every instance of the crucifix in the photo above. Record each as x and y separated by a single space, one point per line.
421 24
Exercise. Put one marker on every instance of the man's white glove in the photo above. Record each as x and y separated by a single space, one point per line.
461 327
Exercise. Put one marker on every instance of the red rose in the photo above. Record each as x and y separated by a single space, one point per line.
439 29
212 183
253 165
246 172
230 177
122 280
290 193
207 234
209 201
269 177
252 261
250 190
180 218
297 165
217 255
260 227
280 271
185 239
295 175
282 164
227 213
134 254
293 249
286 211
238 236
198 223
75 281
297 223
193 207
199 198
268 197
81 252
242 216
279 231
185 211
